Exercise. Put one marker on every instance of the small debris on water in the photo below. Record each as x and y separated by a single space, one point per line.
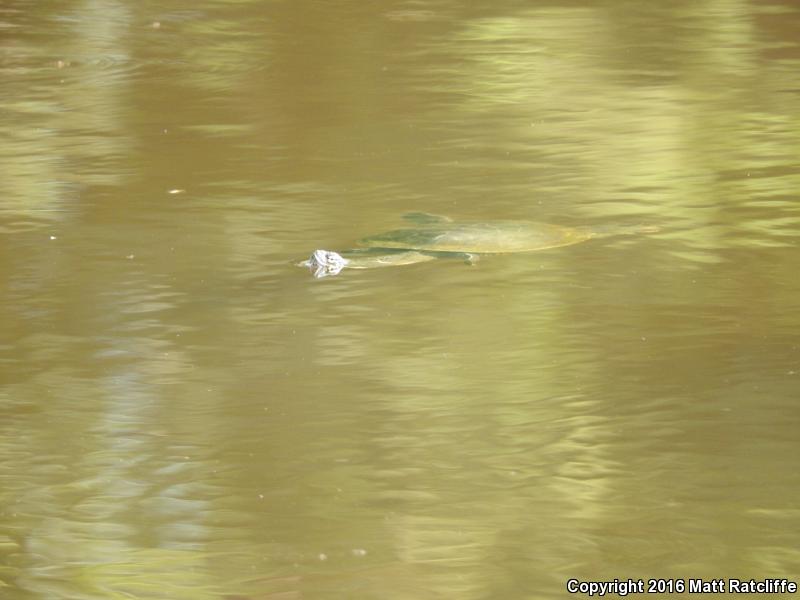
322 556
359 552
155 24
177 191
52 237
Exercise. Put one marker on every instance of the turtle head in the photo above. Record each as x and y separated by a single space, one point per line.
323 263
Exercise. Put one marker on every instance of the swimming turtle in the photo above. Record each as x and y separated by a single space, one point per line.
435 237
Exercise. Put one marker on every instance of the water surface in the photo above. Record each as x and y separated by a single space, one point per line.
185 414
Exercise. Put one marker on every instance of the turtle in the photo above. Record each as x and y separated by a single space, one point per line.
436 237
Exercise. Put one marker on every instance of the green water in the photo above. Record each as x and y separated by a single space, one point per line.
185 414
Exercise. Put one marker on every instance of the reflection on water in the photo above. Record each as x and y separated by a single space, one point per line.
185 414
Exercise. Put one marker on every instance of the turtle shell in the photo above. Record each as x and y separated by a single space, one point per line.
480 238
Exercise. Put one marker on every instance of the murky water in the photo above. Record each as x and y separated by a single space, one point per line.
186 414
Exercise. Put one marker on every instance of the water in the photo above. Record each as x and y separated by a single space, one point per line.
185 414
